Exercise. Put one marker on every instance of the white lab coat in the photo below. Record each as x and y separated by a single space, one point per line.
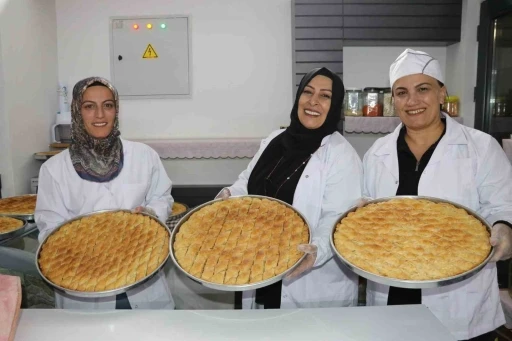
63 195
470 168
329 185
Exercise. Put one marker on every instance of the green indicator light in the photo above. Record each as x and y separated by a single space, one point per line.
163 26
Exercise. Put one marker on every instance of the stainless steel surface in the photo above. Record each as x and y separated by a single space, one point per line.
13 233
105 293
227 287
27 217
409 283
30 229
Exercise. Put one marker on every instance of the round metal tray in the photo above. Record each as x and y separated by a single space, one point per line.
241 287
409 283
97 294
13 233
27 217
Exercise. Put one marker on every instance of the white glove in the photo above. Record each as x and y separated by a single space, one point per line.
501 239
144 209
307 263
224 194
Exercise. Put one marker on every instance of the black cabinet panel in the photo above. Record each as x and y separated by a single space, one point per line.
320 2
318 56
318 9
319 45
418 34
303 68
401 10
401 21
195 195
421 21
318 33
434 22
319 21
322 28
299 76
401 2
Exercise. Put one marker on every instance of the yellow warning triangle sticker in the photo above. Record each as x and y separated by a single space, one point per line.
150 52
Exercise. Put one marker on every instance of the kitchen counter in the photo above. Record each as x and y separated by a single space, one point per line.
414 322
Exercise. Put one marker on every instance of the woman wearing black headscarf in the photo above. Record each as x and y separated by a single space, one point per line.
312 167
101 171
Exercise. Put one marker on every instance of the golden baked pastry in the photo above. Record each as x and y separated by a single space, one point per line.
178 208
240 241
8 224
24 204
412 239
104 251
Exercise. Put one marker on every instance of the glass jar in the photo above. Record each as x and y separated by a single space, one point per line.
500 107
389 109
372 102
353 102
451 105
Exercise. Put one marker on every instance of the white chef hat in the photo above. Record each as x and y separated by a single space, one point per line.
411 62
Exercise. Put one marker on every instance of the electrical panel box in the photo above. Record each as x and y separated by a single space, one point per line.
150 56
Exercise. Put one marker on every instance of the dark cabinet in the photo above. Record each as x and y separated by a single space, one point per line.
493 93
322 27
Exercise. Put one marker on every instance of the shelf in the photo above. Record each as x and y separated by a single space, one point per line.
59 145
375 125
43 156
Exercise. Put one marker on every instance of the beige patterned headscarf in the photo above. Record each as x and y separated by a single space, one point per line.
97 160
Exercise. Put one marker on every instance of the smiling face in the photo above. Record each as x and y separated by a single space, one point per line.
98 111
315 102
417 98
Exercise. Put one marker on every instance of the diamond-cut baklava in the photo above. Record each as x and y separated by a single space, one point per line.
8 224
21 205
105 251
412 239
240 241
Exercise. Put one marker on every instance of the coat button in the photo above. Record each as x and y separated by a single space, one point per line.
136 306
396 182
307 176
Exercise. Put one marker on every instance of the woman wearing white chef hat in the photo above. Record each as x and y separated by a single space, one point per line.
431 154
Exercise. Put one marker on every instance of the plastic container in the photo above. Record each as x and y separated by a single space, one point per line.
389 109
451 105
373 102
353 102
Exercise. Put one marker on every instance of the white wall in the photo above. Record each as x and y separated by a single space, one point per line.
29 62
241 65
241 73
369 66
461 61
241 59
5 143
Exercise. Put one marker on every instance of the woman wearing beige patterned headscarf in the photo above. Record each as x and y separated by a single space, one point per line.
96 149
102 171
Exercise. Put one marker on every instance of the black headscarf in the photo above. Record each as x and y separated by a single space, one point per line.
97 160
296 137
292 149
